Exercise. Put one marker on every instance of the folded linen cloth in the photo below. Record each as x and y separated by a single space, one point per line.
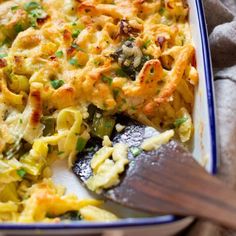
221 22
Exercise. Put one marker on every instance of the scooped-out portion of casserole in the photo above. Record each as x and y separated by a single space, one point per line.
67 67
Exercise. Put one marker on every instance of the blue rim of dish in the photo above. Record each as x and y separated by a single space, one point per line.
160 220
209 83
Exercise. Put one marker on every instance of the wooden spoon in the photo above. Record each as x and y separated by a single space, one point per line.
164 181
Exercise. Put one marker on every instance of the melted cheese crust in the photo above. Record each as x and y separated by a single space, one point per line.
59 57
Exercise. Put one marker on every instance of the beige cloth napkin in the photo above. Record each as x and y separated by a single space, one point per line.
221 20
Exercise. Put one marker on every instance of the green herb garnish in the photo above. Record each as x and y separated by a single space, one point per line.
75 33
35 11
89 149
13 8
70 215
74 45
18 28
162 10
107 79
102 125
96 63
135 151
21 172
179 121
108 125
59 153
74 62
81 143
7 41
31 5
3 55
147 43
49 123
121 73
59 53
57 83
116 93
131 39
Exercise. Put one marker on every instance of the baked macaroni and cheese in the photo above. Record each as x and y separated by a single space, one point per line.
66 69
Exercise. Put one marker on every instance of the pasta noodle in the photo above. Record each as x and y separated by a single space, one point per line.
69 120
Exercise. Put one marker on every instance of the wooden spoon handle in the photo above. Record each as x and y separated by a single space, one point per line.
211 199
202 195
172 182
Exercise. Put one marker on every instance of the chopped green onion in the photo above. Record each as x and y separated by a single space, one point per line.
102 125
74 45
21 172
50 148
18 28
81 143
13 8
3 55
180 121
121 73
135 151
6 41
89 149
96 62
31 5
57 83
147 43
59 53
49 123
71 215
75 33
37 13
91 111
131 39
107 79
116 93
162 10
74 62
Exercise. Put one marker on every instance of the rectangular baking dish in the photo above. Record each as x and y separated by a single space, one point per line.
204 149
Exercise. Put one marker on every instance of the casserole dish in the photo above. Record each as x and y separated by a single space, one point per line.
204 147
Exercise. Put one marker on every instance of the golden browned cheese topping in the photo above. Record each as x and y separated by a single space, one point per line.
60 58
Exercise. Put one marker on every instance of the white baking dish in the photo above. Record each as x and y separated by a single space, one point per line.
204 149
